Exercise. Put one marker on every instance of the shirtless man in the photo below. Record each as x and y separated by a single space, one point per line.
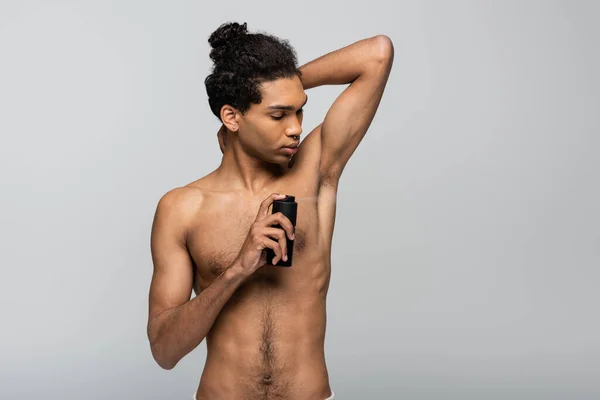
264 325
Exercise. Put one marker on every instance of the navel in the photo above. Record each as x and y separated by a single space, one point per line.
267 379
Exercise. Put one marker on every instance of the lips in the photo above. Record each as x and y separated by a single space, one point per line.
290 150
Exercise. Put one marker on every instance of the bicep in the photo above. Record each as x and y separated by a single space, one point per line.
172 278
351 114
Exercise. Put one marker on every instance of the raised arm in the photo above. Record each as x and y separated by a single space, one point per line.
366 66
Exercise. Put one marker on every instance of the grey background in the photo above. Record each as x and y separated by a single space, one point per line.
466 250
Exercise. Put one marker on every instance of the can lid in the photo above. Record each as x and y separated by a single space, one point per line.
289 199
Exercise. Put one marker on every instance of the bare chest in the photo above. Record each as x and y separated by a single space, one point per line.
217 237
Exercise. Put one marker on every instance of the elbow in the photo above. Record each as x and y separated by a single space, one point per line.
166 366
161 356
383 49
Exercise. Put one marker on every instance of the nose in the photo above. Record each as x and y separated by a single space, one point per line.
295 128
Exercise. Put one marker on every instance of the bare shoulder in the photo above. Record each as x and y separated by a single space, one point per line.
184 196
178 206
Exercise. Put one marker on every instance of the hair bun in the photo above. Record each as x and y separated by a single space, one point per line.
226 33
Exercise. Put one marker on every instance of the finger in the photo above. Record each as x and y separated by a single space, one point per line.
264 206
273 245
279 235
283 221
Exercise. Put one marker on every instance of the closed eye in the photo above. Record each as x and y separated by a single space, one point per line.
279 117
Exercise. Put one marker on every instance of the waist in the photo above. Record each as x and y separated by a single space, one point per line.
301 374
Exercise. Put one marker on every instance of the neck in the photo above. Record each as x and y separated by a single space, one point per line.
240 171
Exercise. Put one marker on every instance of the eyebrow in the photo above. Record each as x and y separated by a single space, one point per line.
286 108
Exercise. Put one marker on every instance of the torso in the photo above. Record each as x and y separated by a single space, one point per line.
268 340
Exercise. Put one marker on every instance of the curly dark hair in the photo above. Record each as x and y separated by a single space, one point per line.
242 61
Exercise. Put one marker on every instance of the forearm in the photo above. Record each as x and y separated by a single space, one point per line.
343 66
178 331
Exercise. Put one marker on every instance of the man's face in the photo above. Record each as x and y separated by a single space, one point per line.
274 123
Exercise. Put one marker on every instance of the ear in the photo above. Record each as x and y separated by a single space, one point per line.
229 117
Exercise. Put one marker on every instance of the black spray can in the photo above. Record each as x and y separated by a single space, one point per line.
289 208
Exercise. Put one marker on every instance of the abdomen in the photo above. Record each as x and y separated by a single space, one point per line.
268 342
